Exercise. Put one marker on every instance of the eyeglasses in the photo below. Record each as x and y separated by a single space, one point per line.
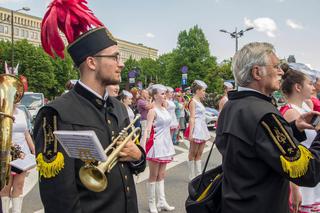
116 57
275 66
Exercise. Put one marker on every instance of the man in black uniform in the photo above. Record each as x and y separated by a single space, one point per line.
260 150
87 107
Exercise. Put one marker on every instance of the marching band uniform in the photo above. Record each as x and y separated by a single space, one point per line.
60 187
260 154
80 109
171 107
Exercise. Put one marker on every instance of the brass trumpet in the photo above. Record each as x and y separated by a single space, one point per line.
93 177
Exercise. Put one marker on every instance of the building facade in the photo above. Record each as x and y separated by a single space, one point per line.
28 27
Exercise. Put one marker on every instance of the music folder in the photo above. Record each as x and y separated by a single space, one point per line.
83 145
24 164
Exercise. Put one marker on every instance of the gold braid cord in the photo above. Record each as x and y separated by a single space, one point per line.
294 159
49 168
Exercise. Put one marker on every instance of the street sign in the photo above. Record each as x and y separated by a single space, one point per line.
184 69
184 81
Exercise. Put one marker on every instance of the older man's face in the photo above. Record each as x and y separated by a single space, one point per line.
271 81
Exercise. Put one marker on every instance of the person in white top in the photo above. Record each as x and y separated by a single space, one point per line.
227 86
197 131
298 86
126 98
159 149
22 138
171 107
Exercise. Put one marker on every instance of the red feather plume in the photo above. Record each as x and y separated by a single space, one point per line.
72 17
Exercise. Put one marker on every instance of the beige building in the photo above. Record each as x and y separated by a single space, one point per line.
28 27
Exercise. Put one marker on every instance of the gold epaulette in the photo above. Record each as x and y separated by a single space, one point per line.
294 158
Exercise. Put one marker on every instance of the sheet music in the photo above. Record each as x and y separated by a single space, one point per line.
83 145
28 162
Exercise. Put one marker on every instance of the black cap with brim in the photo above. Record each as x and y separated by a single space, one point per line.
90 43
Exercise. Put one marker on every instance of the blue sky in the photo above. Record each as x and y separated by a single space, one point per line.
291 25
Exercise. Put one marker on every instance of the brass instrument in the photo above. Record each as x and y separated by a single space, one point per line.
11 91
93 176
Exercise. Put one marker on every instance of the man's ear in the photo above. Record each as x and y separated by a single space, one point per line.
91 63
257 73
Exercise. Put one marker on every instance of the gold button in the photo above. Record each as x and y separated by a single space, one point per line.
109 122
126 177
112 132
122 165
128 188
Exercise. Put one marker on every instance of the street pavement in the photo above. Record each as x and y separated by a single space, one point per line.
176 182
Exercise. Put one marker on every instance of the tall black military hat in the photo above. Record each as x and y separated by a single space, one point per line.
86 35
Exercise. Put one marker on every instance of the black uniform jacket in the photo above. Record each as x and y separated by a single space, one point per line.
260 154
61 190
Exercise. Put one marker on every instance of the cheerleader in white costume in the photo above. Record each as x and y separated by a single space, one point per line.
197 131
159 149
171 107
126 99
22 138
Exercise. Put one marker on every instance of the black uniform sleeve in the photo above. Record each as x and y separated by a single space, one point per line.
276 146
57 174
139 166
300 136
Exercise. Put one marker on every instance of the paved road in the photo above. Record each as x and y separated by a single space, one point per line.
176 182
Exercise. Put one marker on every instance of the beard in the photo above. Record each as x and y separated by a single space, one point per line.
105 81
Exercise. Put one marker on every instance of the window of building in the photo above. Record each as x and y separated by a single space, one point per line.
6 30
21 32
1 29
26 33
16 31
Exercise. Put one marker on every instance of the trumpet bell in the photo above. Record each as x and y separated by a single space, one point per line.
93 179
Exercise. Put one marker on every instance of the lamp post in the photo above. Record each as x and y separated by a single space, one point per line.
236 34
12 34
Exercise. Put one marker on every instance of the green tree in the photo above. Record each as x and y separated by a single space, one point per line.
149 71
36 66
130 64
193 51
44 74
64 70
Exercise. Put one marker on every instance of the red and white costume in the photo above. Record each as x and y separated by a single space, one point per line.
200 131
172 110
159 147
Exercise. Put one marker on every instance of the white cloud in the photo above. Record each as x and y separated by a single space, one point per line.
263 24
294 25
150 35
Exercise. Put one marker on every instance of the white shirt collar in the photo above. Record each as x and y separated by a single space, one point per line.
94 92
247 89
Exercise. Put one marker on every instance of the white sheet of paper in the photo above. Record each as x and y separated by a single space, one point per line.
28 162
83 145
